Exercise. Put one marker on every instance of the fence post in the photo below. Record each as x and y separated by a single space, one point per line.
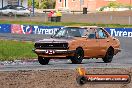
95 17
129 19
0 14
45 16
15 16
30 16
111 17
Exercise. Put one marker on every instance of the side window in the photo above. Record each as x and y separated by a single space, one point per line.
12 7
101 34
74 32
5 7
92 33
92 36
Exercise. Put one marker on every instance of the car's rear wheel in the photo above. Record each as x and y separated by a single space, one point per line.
43 61
109 55
78 56
10 14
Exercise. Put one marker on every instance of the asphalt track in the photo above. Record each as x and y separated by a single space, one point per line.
121 60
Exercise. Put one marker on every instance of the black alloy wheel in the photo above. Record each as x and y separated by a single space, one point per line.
78 56
43 61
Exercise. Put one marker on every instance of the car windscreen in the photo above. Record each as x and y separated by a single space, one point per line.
8 7
70 32
20 8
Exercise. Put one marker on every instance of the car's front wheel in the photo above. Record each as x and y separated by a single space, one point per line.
43 61
10 14
78 56
109 55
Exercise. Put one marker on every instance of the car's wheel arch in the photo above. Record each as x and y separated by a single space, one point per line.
110 48
79 47
109 55
78 56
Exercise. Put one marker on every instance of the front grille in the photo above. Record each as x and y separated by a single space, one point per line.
51 45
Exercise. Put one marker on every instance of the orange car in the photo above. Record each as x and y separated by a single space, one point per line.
77 43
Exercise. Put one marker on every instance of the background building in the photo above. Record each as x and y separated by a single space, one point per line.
92 5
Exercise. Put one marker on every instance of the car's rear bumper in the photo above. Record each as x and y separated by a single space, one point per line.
117 50
54 53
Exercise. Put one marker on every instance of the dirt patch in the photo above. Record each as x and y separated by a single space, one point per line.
56 79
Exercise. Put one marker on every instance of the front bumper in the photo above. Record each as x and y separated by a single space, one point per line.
54 53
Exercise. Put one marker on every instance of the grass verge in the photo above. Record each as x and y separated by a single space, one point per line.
64 24
16 50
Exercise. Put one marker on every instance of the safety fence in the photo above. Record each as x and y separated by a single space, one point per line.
50 30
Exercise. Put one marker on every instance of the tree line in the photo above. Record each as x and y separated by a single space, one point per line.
42 4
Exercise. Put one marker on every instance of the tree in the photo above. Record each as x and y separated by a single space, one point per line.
113 4
43 4
29 2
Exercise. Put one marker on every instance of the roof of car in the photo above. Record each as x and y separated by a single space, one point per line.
82 27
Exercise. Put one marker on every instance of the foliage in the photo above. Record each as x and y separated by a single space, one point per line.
43 4
113 5
36 4
102 8
12 50
116 5
29 2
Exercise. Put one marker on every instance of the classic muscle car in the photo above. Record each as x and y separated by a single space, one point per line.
76 44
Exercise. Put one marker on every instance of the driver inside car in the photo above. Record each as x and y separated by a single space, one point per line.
101 34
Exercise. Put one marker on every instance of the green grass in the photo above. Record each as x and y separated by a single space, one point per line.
63 24
12 50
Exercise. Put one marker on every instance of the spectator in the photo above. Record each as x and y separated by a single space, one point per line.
58 14
50 15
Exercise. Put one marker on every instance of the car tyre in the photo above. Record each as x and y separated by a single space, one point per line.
78 56
81 80
43 61
10 14
109 55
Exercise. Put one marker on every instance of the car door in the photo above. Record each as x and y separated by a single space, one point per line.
5 10
91 45
12 10
18 10
9 9
104 41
